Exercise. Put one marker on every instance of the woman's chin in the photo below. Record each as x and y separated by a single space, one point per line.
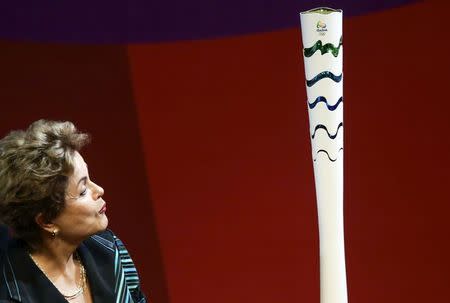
104 222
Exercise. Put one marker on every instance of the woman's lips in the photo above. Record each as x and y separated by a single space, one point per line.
103 209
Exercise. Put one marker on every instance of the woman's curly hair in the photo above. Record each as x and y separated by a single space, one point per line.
34 169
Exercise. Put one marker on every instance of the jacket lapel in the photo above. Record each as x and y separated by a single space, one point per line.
25 281
98 262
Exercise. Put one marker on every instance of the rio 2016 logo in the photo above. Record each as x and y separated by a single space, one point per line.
321 28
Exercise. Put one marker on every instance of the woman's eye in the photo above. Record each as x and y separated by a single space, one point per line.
83 192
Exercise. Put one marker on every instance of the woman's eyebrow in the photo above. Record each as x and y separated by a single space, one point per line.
81 180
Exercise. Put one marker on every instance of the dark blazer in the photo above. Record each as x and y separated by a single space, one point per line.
3 237
110 271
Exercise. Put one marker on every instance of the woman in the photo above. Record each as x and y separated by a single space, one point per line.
62 250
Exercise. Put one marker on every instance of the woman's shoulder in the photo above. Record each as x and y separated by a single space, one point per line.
107 246
11 261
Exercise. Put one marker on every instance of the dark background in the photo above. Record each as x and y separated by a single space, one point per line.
200 138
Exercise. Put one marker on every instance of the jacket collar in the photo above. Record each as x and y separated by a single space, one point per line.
26 283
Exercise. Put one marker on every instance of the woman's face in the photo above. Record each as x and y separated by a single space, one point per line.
84 211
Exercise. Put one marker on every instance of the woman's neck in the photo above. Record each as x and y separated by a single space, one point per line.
55 256
60 263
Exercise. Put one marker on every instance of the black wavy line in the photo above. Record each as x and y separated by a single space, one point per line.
321 126
324 151
325 74
323 99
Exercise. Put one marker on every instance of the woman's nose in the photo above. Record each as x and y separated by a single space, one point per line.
98 190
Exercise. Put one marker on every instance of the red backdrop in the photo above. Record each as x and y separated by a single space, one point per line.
203 149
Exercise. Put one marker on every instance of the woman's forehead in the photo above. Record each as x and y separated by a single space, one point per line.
79 167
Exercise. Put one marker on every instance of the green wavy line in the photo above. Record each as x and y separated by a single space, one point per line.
308 52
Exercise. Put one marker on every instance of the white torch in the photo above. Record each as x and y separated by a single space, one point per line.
322 54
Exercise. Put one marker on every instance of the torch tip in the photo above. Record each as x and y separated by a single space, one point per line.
322 10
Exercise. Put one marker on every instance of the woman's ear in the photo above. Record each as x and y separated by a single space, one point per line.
47 226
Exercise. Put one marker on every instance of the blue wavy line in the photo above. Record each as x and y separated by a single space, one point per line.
321 126
323 99
324 151
320 76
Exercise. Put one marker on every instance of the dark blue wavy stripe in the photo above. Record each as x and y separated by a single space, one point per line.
321 126
323 99
325 74
324 151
